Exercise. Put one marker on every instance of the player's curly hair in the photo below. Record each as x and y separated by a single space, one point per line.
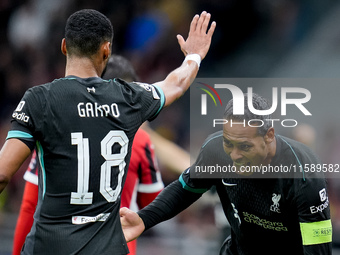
85 31
259 103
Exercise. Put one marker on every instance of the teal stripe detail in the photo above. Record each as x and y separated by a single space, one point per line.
18 134
301 167
162 98
42 164
185 186
66 78
109 80
212 138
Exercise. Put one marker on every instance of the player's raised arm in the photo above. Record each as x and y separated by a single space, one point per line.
195 48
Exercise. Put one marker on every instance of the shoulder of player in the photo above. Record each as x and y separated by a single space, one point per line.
37 92
213 140
134 86
40 88
299 150
212 151
123 83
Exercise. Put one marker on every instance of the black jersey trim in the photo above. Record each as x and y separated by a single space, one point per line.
297 158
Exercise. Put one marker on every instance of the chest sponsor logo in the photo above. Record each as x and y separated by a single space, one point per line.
323 199
275 206
267 224
78 220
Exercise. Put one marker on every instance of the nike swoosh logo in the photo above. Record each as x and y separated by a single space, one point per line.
228 184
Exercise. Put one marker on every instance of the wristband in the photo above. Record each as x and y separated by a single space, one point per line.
194 57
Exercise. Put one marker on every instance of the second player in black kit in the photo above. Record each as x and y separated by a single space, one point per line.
272 215
282 214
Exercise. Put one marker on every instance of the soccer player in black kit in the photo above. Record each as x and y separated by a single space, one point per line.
83 128
281 214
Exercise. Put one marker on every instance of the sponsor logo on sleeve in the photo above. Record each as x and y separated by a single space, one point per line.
323 195
149 87
325 202
20 106
20 116
264 223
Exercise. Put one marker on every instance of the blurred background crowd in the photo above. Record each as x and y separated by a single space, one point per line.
254 38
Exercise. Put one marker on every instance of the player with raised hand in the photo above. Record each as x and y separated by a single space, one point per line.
195 49
83 128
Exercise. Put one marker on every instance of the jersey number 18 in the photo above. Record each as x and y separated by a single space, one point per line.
83 196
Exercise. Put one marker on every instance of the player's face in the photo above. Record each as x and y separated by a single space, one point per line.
245 146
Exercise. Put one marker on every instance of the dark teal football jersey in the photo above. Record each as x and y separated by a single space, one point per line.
83 129
268 215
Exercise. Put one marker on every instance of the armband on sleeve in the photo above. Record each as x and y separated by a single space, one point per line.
316 232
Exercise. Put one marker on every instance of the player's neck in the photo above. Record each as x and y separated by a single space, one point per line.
272 151
82 67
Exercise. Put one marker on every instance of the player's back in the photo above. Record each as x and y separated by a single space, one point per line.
84 130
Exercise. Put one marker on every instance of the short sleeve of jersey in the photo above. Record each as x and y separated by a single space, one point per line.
27 117
150 98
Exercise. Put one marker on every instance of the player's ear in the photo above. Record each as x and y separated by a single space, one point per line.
270 135
106 50
63 46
